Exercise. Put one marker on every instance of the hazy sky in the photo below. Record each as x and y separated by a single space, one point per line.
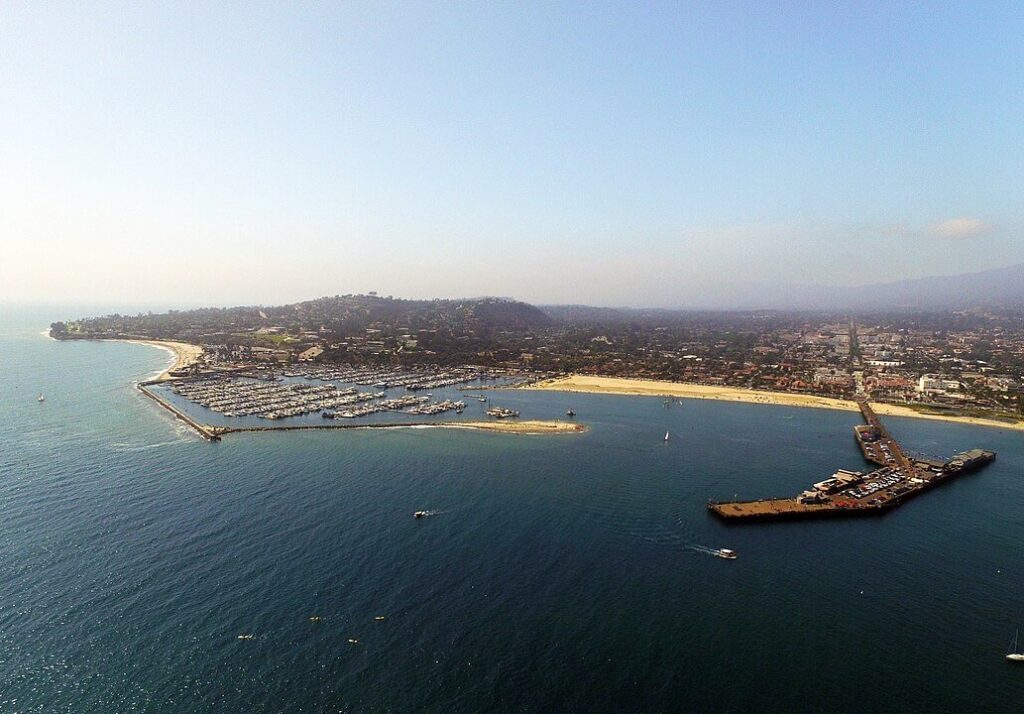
634 154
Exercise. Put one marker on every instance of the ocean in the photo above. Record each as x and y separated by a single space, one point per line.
558 573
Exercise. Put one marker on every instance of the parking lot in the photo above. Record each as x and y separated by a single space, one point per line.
876 482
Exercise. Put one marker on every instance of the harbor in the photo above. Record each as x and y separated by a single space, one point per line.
247 398
899 478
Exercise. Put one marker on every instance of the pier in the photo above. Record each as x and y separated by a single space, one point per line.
852 493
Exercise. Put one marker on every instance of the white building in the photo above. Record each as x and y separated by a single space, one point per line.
933 383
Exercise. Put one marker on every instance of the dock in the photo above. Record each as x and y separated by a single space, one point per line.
898 478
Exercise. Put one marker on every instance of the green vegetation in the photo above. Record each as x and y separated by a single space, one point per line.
276 340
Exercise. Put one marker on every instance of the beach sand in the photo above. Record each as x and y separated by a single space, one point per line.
185 354
654 388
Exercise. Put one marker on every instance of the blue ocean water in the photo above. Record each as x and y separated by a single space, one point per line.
561 573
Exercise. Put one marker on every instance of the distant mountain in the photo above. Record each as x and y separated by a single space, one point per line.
1000 287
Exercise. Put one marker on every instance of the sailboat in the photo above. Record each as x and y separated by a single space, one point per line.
666 436
1014 655
41 398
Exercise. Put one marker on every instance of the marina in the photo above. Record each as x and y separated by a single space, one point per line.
237 394
853 493
241 400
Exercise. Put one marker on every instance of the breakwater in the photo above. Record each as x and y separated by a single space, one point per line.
210 433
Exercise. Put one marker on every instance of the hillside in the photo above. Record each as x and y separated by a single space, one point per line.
333 317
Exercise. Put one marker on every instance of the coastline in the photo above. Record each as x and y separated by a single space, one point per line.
624 386
185 354
900 411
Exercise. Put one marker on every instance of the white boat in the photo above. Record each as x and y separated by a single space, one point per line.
666 436
726 553
41 398
1014 655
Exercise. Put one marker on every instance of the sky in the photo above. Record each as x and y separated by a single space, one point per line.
640 154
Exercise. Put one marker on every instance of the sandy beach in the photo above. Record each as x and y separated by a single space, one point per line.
185 354
653 388
900 411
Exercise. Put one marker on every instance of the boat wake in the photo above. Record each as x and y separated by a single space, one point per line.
717 552
121 447
703 549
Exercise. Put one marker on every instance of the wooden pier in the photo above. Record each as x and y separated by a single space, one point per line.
850 493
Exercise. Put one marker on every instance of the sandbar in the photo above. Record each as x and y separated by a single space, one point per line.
521 427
